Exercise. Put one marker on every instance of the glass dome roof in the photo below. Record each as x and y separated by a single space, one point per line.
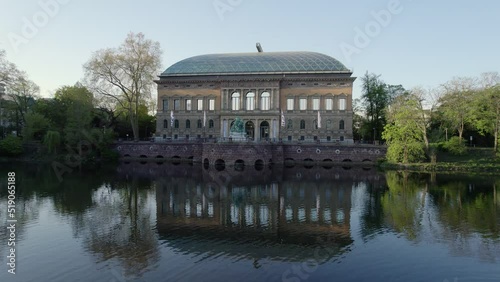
256 63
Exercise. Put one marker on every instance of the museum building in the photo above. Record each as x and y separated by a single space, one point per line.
287 96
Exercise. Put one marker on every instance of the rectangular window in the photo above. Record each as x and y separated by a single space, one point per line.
188 105
165 105
342 104
315 104
289 104
200 104
211 105
329 104
177 104
303 104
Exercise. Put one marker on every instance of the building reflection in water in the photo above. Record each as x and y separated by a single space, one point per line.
258 214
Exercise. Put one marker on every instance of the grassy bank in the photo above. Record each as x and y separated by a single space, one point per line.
479 160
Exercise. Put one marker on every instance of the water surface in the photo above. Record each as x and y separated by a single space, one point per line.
165 222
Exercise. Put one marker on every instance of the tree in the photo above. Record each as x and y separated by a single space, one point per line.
76 102
375 99
486 114
403 131
18 88
126 74
36 126
455 104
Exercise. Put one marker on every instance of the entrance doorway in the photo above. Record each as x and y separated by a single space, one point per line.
264 130
250 130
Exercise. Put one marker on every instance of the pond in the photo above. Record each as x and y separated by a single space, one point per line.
182 222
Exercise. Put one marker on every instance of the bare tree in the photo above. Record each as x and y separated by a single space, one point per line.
126 74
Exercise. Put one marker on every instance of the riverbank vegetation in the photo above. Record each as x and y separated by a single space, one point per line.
113 101
453 127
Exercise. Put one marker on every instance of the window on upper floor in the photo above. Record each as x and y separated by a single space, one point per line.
250 101
289 104
328 104
165 105
188 105
211 105
177 104
342 104
200 105
303 104
315 104
235 101
265 101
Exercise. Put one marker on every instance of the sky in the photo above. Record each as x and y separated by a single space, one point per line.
408 42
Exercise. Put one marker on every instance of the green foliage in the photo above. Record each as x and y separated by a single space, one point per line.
52 140
11 146
455 146
403 134
76 101
36 126
375 99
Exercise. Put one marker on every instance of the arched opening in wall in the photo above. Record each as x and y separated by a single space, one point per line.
367 164
308 163
159 160
327 163
126 156
259 165
176 160
220 165
206 163
239 165
264 130
250 130
347 165
143 157
289 162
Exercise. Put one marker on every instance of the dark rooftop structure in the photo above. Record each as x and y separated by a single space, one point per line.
256 63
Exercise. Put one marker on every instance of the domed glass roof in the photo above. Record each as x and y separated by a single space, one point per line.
256 63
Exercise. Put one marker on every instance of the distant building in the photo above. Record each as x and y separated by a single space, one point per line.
290 96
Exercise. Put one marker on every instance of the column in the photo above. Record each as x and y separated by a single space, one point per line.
257 130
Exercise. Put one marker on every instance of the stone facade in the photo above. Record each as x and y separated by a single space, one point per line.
289 105
251 153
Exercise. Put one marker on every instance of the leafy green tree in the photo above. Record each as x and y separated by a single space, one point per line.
76 103
456 103
125 75
403 133
52 140
375 99
36 126
486 114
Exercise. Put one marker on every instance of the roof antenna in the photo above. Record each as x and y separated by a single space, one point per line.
259 48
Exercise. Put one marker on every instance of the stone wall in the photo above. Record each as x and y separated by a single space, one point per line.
252 153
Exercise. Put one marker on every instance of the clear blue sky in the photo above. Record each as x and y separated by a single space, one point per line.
423 43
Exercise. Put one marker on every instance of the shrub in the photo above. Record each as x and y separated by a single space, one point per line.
11 146
455 146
